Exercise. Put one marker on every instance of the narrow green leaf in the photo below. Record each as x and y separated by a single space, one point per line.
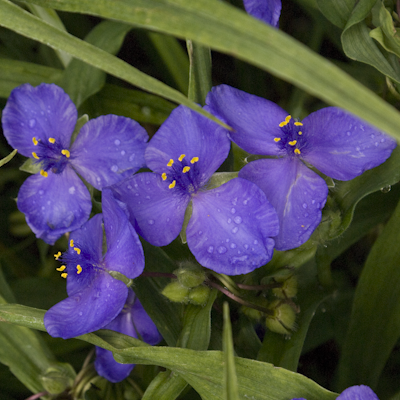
8 158
375 320
200 72
230 379
165 386
338 12
225 28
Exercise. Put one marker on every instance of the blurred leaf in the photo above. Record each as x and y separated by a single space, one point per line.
5 160
225 28
230 379
375 320
81 80
338 12
14 73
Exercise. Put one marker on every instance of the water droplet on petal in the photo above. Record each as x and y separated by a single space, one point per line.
237 220
304 205
312 201
255 241
229 220
245 202
222 249
122 152
218 209
233 246
32 122
358 148
235 229
234 201
71 190
348 133
233 210
147 197
246 246
382 140
200 232
151 221
132 157
41 192
114 168
210 249
117 142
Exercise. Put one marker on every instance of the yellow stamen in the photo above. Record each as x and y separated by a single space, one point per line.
71 243
194 160
293 142
181 157
78 269
164 176
286 121
44 173
66 153
277 139
35 155
172 185
300 133
52 140
35 141
61 269
57 256
186 169
170 162
64 275
298 124
297 151
77 249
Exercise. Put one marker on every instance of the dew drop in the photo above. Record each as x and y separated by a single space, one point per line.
348 133
151 221
372 136
304 205
227 240
382 140
135 185
245 202
234 201
233 210
306 215
122 152
41 192
168 219
200 232
210 249
80 314
237 220
233 246
229 220
147 197
114 168
255 241
71 190
376 144
312 201
222 249
218 209
235 229
358 148
137 194
386 189
132 157
117 142
246 246
32 122
218 194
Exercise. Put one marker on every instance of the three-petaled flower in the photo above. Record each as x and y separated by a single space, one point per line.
335 142
132 321
95 298
39 122
230 227
361 392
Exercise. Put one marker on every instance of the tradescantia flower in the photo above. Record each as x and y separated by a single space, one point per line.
230 227
267 11
39 122
95 298
335 142
361 392
132 321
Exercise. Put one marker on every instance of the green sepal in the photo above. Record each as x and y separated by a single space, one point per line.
31 166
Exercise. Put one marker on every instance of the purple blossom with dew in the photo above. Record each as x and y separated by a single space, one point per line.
267 11
132 321
39 122
230 227
335 142
95 298
361 392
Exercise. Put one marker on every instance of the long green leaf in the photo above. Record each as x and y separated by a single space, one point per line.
227 29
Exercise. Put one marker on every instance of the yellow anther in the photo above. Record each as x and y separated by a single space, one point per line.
297 151
44 173
172 184
65 153
277 139
164 176
57 256
186 169
181 157
52 140
35 141
78 269
194 160
286 121
64 275
35 155
71 243
300 133
170 162
298 123
293 142
77 249
61 269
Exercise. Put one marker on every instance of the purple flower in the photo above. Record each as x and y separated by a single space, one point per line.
230 227
39 122
361 392
132 321
95 298
333 141
267 11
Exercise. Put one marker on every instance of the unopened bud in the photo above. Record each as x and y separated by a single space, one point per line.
199 295
190 275
251 312
176 292
288 288
283 320
58 378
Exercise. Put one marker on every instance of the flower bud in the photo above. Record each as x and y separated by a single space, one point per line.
190 275
199 295
288 288
176 292
283 320
251 313
58 378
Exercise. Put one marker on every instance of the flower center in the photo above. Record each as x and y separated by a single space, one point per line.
183 174
291 139
51 155
74 262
